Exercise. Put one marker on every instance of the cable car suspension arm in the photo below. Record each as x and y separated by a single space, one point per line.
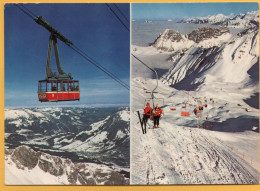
152 93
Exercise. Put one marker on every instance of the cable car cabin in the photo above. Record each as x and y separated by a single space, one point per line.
54 90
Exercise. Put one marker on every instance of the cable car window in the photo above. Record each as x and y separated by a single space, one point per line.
65 86
59 87
53 86
42 86
71 86
39 86
76 86
48 87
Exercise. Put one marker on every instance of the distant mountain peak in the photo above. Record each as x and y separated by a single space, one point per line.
171 40
242 20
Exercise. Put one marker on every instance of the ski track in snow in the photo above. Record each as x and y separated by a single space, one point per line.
182 155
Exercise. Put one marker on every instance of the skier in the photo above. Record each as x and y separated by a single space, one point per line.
147 112
195 111
157 114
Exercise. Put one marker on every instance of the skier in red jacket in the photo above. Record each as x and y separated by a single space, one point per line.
147 112
157 114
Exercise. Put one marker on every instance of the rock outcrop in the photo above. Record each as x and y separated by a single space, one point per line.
26 159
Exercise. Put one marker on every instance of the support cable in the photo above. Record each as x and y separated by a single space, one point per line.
121 12
117 17
79 51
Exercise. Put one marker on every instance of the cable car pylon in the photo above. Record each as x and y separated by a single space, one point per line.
61 86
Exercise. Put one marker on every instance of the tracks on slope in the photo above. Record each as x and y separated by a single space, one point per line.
196 158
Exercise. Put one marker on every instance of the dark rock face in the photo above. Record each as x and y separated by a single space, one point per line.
204 33
51 164
171 35
25 156
169 38
247 31
174 36
83 173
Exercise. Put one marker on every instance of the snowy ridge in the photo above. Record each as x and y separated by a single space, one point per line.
245 20
231 58
98 137
171 41
51 170
209 19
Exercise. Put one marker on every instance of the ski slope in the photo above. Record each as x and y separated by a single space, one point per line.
181 153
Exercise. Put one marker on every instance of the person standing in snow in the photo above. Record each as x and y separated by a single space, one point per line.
147 112
157 114
195 111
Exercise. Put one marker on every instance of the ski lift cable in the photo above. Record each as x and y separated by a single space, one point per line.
76 49
28 10
150 69
24 11
121 12
99 66
117 17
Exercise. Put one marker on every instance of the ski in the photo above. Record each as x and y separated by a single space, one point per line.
141 121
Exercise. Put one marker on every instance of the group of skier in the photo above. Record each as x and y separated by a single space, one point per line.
157 112
154 114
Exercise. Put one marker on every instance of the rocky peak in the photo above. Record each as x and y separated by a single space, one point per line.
204 33
25 158
172 35
167 37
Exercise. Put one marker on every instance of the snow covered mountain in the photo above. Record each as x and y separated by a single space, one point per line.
82 135
209 19
221 144
231 62
25 166
171 40
245 20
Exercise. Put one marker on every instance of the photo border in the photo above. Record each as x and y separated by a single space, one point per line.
4 187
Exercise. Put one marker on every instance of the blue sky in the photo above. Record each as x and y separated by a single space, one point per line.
91 27
183 10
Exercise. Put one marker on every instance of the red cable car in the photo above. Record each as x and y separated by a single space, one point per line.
61 86
58 90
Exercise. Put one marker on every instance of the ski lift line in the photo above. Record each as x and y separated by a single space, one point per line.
84 55
117 17
39 20
150 69
121 12
25 12
28 10
117 65
101 68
